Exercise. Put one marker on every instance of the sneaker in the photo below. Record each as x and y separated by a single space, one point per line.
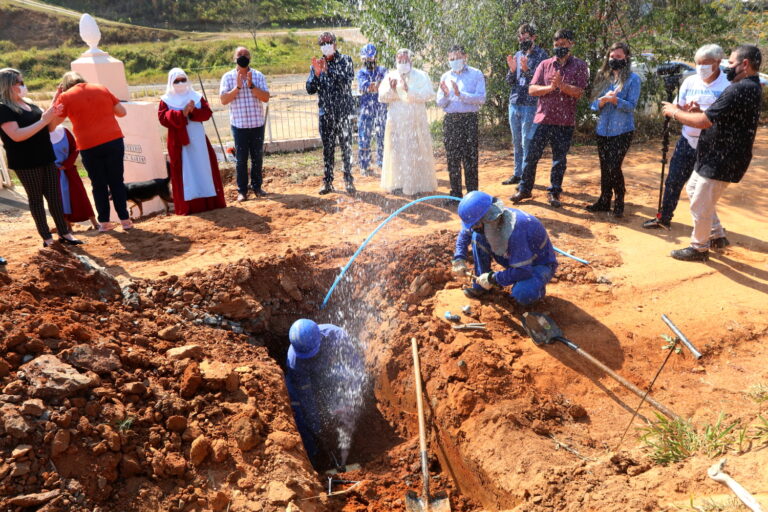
127 224
520 196
106 226
351 190
690 254
514 180
598 207
365 172
656 224
475 293
241 198
260 193
554 200
327 189
719 243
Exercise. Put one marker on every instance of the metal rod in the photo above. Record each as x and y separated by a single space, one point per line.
618 378
422 423
681 337
642 400
213 118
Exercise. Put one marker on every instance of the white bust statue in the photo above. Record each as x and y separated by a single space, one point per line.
90 33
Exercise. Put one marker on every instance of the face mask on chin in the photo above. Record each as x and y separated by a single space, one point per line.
616 64
403 67
370 65
705 70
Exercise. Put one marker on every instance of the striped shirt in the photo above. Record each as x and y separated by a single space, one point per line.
245 111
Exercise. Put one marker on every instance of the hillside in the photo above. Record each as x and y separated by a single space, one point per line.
23 28
208 15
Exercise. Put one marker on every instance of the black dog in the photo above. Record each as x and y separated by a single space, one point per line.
141 191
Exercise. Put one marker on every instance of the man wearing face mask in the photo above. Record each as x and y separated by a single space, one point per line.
558 83
698 91
461 94
373 113
725 145
522 106
514 239
330 77
245 90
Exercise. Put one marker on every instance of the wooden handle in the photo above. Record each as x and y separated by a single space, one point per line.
422 425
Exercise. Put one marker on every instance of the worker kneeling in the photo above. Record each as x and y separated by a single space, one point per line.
325 377
515 239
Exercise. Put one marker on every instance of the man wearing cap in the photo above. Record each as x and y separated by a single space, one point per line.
325 377
514 239
330 77
373 113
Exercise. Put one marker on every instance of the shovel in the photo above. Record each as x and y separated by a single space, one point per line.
544 331
413 503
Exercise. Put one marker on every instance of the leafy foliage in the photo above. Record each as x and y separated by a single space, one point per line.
488 29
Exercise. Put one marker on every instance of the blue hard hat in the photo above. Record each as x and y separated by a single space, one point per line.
368 51
305 338
473 207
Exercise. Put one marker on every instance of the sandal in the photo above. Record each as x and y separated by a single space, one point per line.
105 226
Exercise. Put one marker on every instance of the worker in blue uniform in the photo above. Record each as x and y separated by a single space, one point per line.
514 239
325 376
373 113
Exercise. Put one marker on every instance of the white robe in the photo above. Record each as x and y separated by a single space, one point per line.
408 161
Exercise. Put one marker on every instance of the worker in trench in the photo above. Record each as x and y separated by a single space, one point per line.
325 376
514 239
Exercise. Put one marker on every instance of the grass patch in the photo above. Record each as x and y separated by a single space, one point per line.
677 440
758 393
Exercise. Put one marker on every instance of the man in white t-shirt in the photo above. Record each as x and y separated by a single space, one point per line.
697 91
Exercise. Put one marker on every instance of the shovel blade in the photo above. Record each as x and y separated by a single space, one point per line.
437 503
541 328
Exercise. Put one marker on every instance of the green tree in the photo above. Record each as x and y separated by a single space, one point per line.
488 29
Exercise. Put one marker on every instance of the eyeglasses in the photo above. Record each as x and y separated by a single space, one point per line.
181 80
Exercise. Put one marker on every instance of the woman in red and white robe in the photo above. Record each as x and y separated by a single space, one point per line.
194 173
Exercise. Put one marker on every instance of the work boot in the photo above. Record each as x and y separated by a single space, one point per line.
351 190
475 293
554 200
690 254
327 189
520 196
514 180
657 224
719 243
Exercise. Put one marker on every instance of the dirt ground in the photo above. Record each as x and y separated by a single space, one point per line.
513 426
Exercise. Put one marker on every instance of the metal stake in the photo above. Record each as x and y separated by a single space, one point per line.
213 118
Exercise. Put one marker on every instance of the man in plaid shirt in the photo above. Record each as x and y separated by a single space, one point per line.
245 90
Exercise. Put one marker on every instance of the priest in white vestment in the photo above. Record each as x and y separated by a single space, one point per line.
408 165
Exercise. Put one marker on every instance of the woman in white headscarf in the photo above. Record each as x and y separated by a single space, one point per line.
194 173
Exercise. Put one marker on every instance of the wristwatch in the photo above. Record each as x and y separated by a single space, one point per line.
251 86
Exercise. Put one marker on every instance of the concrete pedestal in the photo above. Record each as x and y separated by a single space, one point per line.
100 68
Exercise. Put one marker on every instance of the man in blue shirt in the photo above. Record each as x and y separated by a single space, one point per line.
325 376
461 94
373 113
330 77
514 239
522 106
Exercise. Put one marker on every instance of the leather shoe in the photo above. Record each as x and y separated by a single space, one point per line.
74 241
719 243
598 207
514 180
520 196
656 224
554 200
260 193
327 189
690 254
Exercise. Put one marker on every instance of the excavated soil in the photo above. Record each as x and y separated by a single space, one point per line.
142 371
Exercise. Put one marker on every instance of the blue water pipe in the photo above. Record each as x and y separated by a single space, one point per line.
384 223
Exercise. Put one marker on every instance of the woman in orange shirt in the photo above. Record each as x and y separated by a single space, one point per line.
92 109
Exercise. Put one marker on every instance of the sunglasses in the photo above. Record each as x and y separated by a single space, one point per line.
323 43
19 82
180 81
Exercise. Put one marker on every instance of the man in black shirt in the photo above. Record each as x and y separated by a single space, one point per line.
330 77
724 151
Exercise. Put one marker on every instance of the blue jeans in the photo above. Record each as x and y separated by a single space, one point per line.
522 128
680 170
104 164
559 137
524 292
370 124
248 142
